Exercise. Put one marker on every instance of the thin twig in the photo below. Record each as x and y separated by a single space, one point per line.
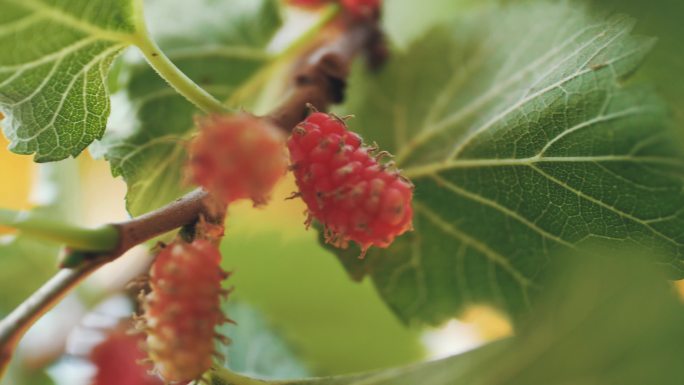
183 211
13 327
102 239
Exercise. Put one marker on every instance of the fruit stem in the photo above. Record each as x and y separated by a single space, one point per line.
101 239
320 78
175 77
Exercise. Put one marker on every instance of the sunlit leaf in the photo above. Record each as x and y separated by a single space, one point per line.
54 60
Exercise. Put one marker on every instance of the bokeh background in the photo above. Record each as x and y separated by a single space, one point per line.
299 291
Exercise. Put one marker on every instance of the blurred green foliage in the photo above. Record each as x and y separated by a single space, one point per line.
26 263
336 325
257 348
607 319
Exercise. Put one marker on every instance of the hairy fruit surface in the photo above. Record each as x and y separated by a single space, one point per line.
183 309
116 360
238 157
345 187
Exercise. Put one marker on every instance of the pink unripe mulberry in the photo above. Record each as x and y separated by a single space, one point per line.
238 157
345 187
183 309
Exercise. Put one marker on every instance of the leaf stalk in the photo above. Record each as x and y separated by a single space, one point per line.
178 80
101 239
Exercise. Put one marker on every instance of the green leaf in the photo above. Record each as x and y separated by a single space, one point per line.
18 374
53 69
149 131
607 320
662 19
522 138
256 348
404 25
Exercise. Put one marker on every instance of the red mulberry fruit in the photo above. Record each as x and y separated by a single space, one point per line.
238 157
116 360
358 8
183 309
345 187
362 8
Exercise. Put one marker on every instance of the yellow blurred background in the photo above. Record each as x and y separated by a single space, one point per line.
16 173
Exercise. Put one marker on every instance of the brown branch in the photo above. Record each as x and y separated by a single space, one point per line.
181 212
320 81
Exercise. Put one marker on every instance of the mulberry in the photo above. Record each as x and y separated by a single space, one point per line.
362 8
238 156
183 309
357 8
345 187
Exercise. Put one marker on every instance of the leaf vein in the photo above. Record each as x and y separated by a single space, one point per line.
485 250
497 118
497 206
615 210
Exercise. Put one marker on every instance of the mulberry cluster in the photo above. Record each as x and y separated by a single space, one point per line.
238 157
183 309
345 187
